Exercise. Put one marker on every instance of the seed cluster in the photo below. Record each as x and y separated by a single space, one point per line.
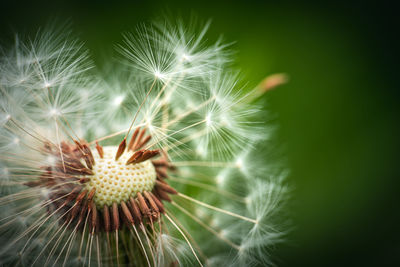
114 187
115 181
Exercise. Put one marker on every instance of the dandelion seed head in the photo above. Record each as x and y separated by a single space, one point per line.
162 154
201 150
54 112
221 178
118 100
185 57
47 84
159 75
85 94
209 121
150 126
239 163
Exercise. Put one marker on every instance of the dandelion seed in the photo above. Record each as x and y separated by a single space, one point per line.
147 168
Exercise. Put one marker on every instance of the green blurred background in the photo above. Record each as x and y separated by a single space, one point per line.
338 114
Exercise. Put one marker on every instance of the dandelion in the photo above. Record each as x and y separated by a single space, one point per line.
160 163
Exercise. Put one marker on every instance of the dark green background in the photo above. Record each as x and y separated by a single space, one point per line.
338 114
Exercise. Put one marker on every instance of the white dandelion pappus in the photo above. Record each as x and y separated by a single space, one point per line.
158 164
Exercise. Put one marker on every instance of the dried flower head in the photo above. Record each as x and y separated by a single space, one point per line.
161 163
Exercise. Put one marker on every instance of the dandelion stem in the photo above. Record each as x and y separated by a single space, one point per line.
156 109
48 242
59 145
184 236
83 237
188 112
205 164
141 244
70 243
109 248
206 226
90 249
38 224
187 139
26 131
159 93
180 130
148 243
116 246
98 250
207 187
217 209
55 246
112 135
70 239
140 107
190 237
